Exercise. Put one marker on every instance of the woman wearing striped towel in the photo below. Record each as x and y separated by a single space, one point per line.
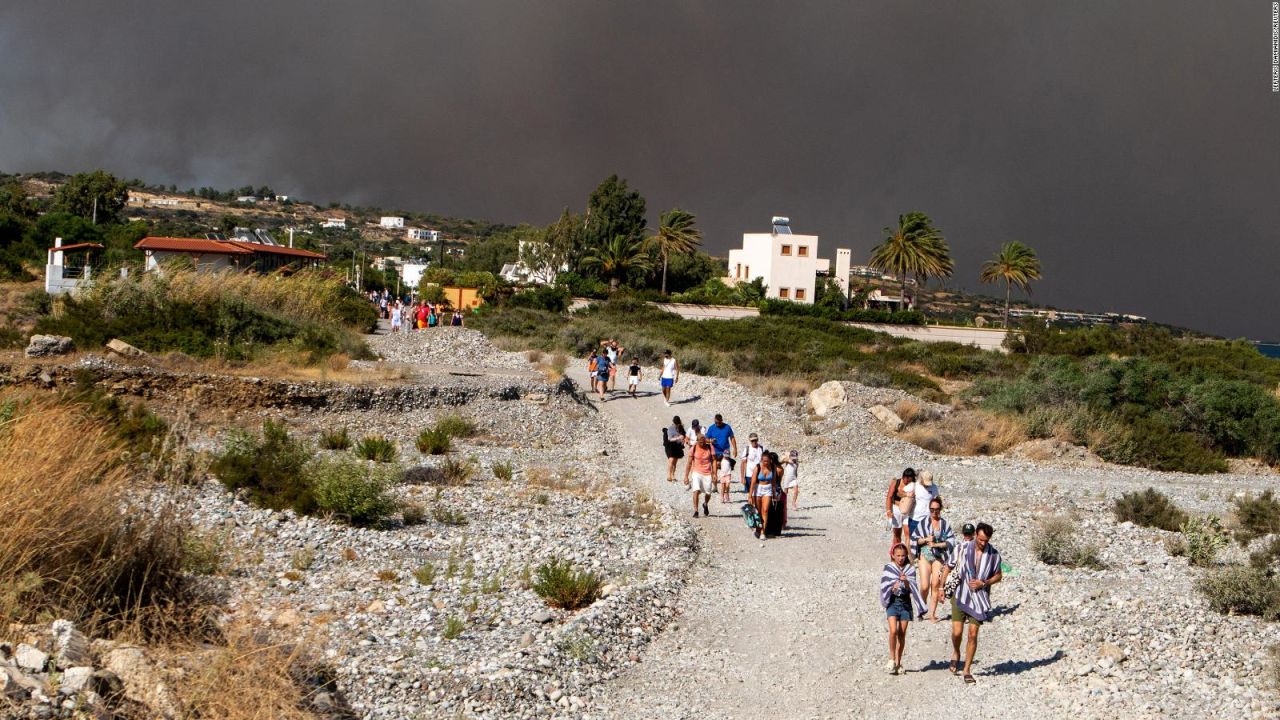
979 568
934 539
900 597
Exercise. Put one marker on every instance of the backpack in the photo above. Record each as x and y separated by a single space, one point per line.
591 364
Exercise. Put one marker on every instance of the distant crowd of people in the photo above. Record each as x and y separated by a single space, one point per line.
420 315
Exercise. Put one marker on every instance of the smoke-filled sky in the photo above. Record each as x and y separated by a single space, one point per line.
1135 144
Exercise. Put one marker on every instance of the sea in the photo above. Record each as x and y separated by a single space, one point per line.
1269 349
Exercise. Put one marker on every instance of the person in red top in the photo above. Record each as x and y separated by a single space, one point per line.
423 311
698 472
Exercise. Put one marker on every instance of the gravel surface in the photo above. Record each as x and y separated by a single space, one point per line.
1133 640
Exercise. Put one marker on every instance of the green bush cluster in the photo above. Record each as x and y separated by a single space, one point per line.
1150 508
335 439
438 439
1258 516
1245 590
353 491
377 448
1056 542
1205 539
560 585
268 468
158 313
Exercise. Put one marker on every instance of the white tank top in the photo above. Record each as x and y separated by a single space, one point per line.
668 367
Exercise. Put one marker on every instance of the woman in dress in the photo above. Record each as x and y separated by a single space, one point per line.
791 481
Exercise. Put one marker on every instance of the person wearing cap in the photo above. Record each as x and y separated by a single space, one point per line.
901 491
750 459
698 471
900 597
791 483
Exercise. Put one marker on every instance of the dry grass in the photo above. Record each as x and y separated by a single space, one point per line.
967 433
248 679
564 480
783 386
282 366
640 507
71 548
913 412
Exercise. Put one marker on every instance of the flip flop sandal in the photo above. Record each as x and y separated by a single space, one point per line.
953 665
968 680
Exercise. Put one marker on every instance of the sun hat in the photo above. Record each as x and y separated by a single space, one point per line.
753 436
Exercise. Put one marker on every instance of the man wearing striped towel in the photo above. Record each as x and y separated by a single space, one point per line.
900 597
979 568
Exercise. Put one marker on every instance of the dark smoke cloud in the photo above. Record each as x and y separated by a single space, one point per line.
1134 144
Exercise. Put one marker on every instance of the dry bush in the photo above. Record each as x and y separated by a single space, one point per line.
784 386
639 506
914 413
565 480
250 679
966 433
534 355
71 546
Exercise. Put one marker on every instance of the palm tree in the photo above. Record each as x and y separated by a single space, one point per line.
676 236
1015 264
914 247
617 259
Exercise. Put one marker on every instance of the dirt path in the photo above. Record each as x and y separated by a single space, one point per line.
801 612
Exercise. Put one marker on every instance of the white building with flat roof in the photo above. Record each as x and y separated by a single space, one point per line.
390 221
422 234
787 263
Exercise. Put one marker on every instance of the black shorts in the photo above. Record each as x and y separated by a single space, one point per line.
675 451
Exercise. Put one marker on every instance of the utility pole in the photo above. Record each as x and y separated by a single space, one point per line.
95 209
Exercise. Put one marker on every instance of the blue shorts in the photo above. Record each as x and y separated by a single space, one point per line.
668 382
899 607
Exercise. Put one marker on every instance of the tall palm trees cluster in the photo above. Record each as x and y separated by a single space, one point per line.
622 256
915 248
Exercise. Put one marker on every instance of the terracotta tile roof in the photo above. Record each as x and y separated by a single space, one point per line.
224 247
192 245
79 246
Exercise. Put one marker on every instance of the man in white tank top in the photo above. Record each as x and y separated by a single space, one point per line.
670 374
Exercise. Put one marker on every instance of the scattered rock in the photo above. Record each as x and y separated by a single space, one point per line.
887 417
827 397
142 682
49 345
31 658
121 348
543 616
70 646
75 680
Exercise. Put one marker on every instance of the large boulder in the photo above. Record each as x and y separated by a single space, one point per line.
829 396
47 345
124 349
887 417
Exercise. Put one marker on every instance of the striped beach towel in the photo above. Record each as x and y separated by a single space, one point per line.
944 533
976 603
906 575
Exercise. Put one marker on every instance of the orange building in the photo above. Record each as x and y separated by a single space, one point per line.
461 298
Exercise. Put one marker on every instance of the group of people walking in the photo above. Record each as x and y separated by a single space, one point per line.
771 482
421 316
960 570
603 366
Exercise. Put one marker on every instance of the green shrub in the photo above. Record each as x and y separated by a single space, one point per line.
1056 543
1175 545
377 448
1152 442
453 628
550 298
504 471
413 514
456 472
353 491
456 426
1205 538
303 559
425 574
203 554
267 468
447 516
338 439
1258 516
1268 556
434 441
560 585
1242 590
1150 508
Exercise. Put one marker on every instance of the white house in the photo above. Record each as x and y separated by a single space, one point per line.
340 223
422 234
520 272
411 273
68 268
389 221
787 263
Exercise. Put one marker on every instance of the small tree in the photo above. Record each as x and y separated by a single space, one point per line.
676 236
617 259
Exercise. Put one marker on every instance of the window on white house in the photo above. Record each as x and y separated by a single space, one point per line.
784 293
803 252
786 249
799 293
737 271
